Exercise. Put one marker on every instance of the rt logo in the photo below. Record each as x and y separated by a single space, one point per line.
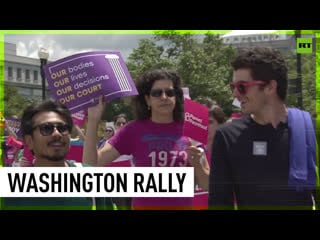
304 45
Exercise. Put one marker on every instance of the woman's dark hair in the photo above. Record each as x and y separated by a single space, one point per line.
215 110
121 115
47 106
217 113
144 84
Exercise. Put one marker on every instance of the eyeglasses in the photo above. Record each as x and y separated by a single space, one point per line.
108 130
47 129
242 86
158 92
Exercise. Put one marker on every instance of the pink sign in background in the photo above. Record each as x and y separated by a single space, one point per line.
75 151
79 118
196 117
28 154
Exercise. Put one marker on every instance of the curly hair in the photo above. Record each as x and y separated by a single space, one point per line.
265 63
144 84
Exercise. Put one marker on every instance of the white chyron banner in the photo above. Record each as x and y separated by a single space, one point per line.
97 182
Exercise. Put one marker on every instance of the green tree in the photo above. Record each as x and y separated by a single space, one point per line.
206 70
117 106
309 83
14 103
203 61
308 76
147 56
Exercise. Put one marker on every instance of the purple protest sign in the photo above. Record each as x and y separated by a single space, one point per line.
196 118
78 80
15 126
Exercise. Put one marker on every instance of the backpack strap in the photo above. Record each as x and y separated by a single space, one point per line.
302 149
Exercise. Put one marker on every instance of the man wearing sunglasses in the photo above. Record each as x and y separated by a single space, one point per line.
46 130
252 160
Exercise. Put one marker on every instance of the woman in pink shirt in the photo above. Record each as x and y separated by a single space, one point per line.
154 139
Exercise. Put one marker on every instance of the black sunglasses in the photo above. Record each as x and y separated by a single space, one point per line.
170 92
242 86
47 129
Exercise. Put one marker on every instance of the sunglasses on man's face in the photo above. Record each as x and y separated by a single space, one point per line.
242 86
170 92
47 129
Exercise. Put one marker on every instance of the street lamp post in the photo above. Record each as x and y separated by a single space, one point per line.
43 55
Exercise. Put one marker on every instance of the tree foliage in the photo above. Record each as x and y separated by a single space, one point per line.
308 78
203 62
14 103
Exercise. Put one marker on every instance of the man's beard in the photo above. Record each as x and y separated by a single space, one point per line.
55 158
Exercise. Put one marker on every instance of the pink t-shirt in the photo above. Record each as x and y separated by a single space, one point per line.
154 145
